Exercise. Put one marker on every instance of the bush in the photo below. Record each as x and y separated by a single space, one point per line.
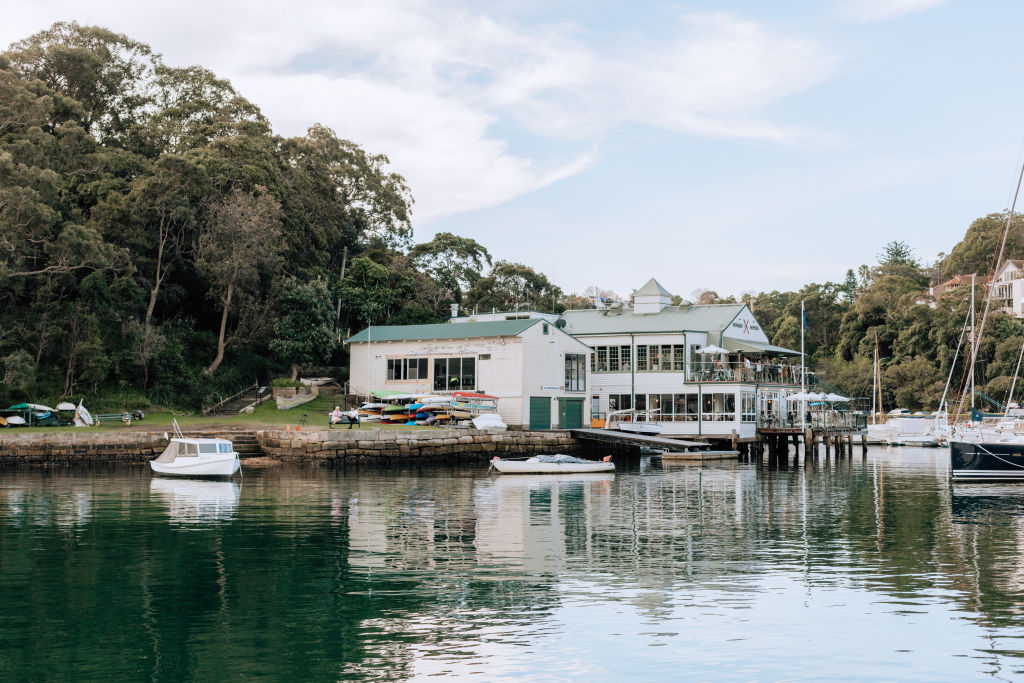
285 382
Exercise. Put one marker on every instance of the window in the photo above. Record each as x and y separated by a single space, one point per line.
619 402
406 368
454 374
595 407
207 448
661 358
611 359
575 372
748 407
545 326
719 407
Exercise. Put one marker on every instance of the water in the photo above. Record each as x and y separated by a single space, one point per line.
869 568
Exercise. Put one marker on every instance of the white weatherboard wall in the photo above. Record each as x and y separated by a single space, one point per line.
745 328
519 367
544 371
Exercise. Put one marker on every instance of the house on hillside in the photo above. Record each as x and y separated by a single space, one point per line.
648 356
536 370
959 284
1008 288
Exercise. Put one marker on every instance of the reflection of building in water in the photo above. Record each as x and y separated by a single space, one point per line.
400 525
196 500
536 522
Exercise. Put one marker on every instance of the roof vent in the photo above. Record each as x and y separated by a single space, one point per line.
560 323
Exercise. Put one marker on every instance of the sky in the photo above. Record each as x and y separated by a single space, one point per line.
739 146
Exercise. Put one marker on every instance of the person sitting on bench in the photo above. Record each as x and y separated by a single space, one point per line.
336 416
353 418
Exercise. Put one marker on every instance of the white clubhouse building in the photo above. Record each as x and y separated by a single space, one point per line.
648 357
537 371
571 372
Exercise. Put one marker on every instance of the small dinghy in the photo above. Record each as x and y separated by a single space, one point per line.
552 464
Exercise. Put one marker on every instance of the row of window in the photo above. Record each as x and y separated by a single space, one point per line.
454 374
713 407
649 358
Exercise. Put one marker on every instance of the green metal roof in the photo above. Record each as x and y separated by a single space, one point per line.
495 328
696 318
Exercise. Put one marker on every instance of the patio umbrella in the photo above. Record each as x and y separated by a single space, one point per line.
712 349
801 396
835 398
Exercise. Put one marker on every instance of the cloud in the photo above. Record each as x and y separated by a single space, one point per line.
473 109
883 10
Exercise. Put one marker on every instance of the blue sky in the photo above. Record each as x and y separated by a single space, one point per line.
737 146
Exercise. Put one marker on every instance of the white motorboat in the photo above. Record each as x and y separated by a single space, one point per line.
196 457
552 464
634 422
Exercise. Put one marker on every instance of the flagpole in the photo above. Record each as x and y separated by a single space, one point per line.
803 372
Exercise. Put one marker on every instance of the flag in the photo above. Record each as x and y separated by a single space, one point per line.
803 316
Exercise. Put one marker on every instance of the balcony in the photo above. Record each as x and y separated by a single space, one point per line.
843 420
759 373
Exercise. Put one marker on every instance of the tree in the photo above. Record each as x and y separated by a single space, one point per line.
240 241
107 73
454 262
976 252
513 286
849 286
304 327
898 253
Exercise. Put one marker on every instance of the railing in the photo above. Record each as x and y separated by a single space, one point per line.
817 420
759 373
261 395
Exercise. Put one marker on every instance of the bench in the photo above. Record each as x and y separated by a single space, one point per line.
345 420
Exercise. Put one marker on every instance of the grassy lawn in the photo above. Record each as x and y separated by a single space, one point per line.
265 416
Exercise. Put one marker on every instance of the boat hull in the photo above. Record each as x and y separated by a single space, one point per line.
986 461
198 467
525 467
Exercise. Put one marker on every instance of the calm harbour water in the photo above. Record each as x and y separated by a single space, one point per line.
869 568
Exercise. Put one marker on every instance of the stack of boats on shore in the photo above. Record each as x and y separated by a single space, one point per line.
460 408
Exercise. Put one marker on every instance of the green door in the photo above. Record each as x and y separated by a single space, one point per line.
570 413
540 412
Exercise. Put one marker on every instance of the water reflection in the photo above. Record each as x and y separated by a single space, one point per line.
196 500
654 572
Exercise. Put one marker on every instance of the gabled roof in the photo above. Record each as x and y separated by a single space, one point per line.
707 318
652 288
493 328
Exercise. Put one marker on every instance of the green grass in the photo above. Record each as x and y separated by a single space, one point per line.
265 416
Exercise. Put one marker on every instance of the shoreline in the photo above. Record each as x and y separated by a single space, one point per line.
264 445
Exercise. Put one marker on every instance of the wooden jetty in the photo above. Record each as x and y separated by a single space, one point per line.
626 439
697 456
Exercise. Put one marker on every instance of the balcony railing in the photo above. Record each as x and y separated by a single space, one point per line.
817 420
763 373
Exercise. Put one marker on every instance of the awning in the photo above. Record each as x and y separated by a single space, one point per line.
757 347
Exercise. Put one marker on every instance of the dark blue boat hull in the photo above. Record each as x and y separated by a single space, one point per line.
986 461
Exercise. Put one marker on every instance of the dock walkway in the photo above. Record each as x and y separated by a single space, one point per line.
635 440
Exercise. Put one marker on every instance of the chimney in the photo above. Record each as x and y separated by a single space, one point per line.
455 310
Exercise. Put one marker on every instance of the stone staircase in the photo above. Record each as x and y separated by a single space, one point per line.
235 404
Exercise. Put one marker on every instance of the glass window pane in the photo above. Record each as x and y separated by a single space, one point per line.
469 373
440 374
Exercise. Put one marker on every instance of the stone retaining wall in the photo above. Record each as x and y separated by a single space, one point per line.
65 448
19 447
387 445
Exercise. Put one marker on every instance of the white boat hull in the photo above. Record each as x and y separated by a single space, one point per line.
527 467
643 428
219 465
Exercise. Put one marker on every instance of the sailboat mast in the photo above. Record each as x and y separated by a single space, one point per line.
970 378
878 378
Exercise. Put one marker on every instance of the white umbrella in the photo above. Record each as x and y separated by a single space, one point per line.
835 398
801 396
815 397
712 349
